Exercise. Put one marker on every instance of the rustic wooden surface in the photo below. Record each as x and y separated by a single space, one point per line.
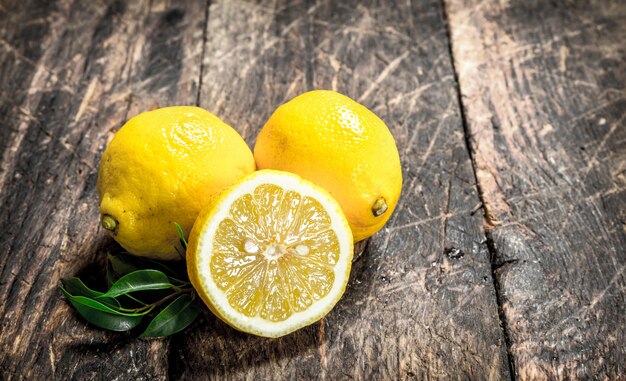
511 108
544 92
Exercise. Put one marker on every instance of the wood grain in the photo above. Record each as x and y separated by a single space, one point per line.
544 91
421 302
71 74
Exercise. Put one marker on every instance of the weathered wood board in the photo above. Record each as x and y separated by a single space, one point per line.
544 92
542 87
71 73
413 309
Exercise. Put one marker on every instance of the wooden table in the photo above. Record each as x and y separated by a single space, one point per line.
505 258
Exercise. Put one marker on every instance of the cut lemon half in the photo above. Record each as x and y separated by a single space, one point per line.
271 254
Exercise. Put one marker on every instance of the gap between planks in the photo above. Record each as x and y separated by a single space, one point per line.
205 38
488 237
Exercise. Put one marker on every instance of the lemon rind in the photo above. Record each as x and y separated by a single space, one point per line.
202 250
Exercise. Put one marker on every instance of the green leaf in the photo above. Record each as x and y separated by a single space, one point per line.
181 234
123 264
111 276
103 316
76 287
174 318
140 280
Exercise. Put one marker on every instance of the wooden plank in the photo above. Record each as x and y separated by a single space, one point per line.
71 74
544 90
421 303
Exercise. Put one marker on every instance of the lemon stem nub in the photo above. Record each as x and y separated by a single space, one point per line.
379 207
108 222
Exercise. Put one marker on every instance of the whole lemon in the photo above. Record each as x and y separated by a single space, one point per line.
161 168
340 145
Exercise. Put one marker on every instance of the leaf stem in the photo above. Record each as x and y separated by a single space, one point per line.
136 300
165 299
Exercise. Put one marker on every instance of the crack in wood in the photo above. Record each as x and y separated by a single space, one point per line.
500 297
205 37
309 75
489 241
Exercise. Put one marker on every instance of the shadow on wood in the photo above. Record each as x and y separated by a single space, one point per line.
238 353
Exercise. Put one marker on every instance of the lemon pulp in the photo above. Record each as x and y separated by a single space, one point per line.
272 254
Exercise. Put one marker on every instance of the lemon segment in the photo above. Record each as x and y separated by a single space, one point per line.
271 255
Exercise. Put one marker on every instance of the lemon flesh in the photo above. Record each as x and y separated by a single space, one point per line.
331 140
161 168
271 255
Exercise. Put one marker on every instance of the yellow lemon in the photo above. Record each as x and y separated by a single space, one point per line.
340 145
161 168
271 254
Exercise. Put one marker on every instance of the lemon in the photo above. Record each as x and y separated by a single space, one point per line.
271 255
340 145
161 168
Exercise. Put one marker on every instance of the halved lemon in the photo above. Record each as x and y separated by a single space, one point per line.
271 254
